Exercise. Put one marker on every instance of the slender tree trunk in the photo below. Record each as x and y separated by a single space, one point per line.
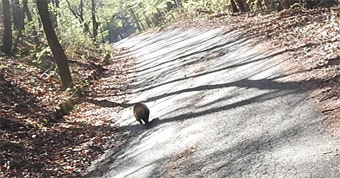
94 21
178 3
80 16
102 33
56 3
21 27
26 10
234 8
134 17
16 13
81 9
242 5
7 38
57 50
27 13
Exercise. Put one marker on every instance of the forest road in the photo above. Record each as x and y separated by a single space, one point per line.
223 109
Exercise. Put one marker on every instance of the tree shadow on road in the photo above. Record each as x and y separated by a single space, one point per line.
146 85
274 89
249 149
130 136
247 157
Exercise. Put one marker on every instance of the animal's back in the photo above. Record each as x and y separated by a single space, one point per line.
141 112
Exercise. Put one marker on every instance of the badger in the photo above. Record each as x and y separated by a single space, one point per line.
141 112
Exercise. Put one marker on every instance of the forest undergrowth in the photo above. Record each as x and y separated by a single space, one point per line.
49 132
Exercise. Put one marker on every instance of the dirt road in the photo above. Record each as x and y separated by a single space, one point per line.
223 109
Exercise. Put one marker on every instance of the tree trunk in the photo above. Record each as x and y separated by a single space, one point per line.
26 10
80 16
242 5
94 21
7 38
234 8
56 3
57 50
134 17
178 3
102 34
21 27
16 13
81 9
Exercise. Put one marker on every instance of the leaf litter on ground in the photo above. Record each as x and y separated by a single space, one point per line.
34 145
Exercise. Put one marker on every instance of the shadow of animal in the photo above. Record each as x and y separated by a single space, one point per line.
152 123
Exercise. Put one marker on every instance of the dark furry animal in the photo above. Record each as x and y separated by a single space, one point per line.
141 112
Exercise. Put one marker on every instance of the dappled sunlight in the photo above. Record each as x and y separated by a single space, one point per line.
222 109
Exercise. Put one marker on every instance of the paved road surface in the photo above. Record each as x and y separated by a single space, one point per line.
224 110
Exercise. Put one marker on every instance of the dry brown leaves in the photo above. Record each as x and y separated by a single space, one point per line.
31 145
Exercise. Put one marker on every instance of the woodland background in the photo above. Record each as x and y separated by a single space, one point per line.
56 58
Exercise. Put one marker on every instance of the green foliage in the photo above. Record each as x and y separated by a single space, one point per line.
65 108
4 65
151 13
39 54
40 57
70 30
80 89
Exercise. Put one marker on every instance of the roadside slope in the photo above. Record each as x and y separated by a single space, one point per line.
224 109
